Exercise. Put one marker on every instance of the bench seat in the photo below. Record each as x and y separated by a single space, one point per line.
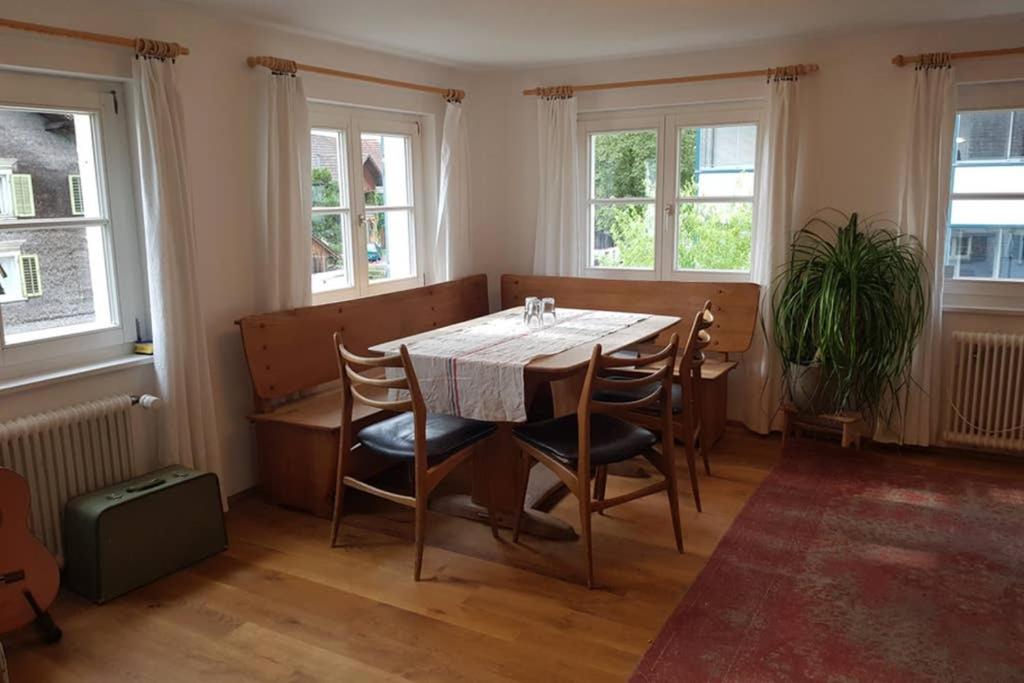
293 367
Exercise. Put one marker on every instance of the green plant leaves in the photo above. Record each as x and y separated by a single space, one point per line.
852 300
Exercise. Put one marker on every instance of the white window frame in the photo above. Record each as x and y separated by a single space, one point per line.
354 121
6 188
667 121
121 243
979 294
14 292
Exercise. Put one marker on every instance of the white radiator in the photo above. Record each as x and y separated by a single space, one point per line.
987 391
67 452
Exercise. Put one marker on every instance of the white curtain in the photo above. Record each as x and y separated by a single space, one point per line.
451 257
556 251
761 366
188 429
924 203
285 189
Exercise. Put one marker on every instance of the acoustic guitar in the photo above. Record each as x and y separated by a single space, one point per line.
29 577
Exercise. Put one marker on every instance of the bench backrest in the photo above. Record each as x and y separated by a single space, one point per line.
291 351
734 304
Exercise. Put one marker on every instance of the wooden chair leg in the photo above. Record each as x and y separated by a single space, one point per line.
691 462
600 484
704 456
673 497
524 482
492 511
339 500
584 495
421 528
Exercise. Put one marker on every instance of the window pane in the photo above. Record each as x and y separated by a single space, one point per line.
47 165
985 135
390 244
55 283
717 161
1017 135
622 236
714 236
387 170
624 165
988 178
330 265
327 148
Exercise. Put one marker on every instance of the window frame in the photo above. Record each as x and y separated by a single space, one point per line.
354 121
977 293
121 228
667 121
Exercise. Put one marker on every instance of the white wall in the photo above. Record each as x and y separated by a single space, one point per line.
853 125
220 96
853 115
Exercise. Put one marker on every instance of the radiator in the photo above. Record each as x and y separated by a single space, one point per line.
67 452
986 407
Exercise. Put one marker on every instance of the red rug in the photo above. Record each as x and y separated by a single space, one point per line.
852 567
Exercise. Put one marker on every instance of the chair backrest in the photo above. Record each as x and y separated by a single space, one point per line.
596 380
698 339
363 376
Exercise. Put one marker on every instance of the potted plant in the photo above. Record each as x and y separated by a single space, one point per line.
848 309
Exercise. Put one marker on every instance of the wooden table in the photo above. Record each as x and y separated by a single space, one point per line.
499 465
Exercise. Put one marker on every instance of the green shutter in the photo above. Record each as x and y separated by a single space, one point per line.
24 201
77 201
31 284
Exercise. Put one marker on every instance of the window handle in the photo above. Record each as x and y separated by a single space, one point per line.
670 210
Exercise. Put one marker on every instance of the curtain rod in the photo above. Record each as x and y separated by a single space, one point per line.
287 66
142 46
568 90
903 60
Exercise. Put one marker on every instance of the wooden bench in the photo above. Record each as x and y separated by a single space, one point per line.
296 392
734 304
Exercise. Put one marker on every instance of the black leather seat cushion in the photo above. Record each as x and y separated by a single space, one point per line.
611 439
625 395
446 435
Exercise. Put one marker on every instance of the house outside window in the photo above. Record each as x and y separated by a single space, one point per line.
986 218
669 196
366 215
72 278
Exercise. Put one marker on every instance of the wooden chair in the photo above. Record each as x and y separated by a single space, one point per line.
571 446
686 400
434 444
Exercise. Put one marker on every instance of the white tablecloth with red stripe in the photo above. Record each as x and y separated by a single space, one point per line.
477 371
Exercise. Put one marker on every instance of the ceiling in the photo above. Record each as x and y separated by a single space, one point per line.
517 33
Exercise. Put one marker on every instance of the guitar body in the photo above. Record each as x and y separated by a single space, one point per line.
25 564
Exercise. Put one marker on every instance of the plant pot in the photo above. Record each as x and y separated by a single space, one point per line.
805 389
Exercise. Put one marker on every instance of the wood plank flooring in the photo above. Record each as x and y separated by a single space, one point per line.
280 605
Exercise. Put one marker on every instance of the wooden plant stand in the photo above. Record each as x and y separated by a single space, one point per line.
849 426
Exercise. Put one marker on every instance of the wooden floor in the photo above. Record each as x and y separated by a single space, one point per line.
280 605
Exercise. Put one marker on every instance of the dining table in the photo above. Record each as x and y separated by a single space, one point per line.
494 367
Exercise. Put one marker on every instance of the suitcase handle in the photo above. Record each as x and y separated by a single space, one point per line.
152 483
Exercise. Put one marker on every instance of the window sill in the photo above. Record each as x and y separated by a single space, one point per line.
18 384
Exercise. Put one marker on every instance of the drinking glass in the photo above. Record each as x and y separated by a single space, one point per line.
548 309
532 312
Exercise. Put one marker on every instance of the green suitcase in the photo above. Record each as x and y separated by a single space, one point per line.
124 536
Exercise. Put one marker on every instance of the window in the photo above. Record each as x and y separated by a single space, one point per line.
986 217
366 180
72 277
670 196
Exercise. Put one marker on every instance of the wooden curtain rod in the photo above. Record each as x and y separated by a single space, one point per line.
142 46
903 60
287 66
568 90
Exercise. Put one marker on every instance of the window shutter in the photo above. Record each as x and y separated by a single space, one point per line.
77 201
31 284
24 201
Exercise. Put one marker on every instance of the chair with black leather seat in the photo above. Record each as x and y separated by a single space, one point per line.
572 446
434 444
686 401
